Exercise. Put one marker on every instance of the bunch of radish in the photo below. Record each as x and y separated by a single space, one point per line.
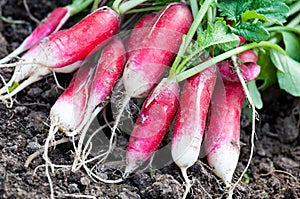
205 108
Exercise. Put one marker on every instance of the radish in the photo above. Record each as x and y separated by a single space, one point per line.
52 23
138 33
90 87
65 47
152 123
190 120
108 70
249 68
147 64
222 137
157 51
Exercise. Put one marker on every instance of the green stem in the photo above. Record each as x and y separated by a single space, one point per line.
193 71
126 6
283 28
191 33
294 22
195 8
197 22
116 5
95 4
147 9
295 8
79 5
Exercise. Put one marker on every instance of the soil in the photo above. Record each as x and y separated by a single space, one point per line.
274 171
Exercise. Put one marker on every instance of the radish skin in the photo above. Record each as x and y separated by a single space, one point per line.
222 138
153 121
109 69
157 51
138 33
190 120
51 24
147 64
65 47
68 111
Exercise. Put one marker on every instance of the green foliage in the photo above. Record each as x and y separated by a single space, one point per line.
248 16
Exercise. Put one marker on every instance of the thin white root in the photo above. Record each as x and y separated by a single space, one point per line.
40 151
78 196
57 83
11 101
94 176
78 150
41 71
52 131
117 121
254 114
187 182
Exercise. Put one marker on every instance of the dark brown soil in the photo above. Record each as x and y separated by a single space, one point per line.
274 171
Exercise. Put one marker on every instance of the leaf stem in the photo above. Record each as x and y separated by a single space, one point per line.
191 33
283 28
79 5
294 8
189 73
128 5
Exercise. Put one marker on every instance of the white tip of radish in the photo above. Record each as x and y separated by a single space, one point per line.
224 161
134 159
63 114
134 84
188 155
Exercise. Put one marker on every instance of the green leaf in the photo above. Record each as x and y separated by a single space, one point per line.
288 76
252 14
232 9
275 11
268 71
252 32
218 35
292 45
255 95
13 86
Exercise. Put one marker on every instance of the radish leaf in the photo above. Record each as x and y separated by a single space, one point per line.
289 73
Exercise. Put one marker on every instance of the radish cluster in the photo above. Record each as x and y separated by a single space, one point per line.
203 109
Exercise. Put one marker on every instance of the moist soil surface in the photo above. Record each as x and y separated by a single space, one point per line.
274 171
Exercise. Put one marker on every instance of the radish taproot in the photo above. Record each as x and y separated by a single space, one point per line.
65 47
152 123
108 69
146 65
191 119
222 138
90 86
52 23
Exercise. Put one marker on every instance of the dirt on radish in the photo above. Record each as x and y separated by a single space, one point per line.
273 173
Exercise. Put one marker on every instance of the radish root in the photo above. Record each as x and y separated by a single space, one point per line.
254 116
187 182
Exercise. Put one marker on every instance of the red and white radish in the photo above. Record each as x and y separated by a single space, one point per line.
108 69
52 23
152 123
191 119
222 138
147 64
66 47
248 66
138 33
